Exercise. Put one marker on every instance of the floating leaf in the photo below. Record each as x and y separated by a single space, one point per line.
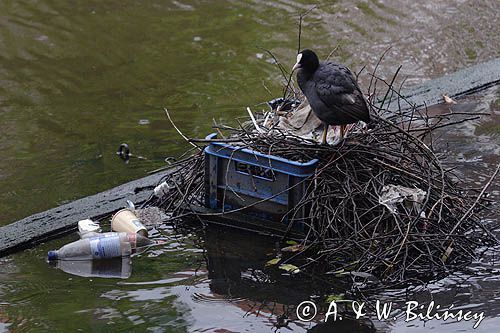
291 242
273 262
332 298
289 268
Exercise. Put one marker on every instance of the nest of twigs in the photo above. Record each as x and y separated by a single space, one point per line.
348 227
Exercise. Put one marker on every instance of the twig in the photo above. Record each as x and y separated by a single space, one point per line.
178 131
471 208
253 120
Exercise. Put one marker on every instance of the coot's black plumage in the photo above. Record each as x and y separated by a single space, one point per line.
332 91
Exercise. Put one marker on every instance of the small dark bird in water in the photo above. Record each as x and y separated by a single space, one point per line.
332 92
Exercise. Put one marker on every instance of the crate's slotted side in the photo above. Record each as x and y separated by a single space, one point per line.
211 181
271 186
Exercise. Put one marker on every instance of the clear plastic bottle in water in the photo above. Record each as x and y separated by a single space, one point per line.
100 246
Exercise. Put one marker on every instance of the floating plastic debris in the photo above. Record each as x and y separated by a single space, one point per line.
124 152
391 195
101 246
125 220
449 100
87 225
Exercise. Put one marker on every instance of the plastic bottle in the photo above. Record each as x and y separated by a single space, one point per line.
100 246
136 240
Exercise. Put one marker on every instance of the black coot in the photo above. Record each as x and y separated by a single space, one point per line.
332 91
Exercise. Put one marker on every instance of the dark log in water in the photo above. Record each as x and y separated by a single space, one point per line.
464 82
63 219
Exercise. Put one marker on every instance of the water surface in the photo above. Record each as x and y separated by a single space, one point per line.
79 78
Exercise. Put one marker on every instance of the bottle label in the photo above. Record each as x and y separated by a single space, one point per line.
105 247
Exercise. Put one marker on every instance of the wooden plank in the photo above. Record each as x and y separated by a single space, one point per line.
63 219
58 221
465 81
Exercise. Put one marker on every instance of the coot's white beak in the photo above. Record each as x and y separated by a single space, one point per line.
297 64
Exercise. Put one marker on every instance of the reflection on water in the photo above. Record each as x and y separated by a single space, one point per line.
116 268
95 303
79 78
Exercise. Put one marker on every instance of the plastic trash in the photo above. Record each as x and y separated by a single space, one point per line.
136 240
92 234
124 152
101 246
130 205
86 226
126 221
162 189
392 195
115 268
283 104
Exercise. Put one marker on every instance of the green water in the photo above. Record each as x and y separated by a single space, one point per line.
78 78
52 300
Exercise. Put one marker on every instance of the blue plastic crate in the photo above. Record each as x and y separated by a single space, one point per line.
237 177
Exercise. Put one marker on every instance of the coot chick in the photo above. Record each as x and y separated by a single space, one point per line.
332 92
